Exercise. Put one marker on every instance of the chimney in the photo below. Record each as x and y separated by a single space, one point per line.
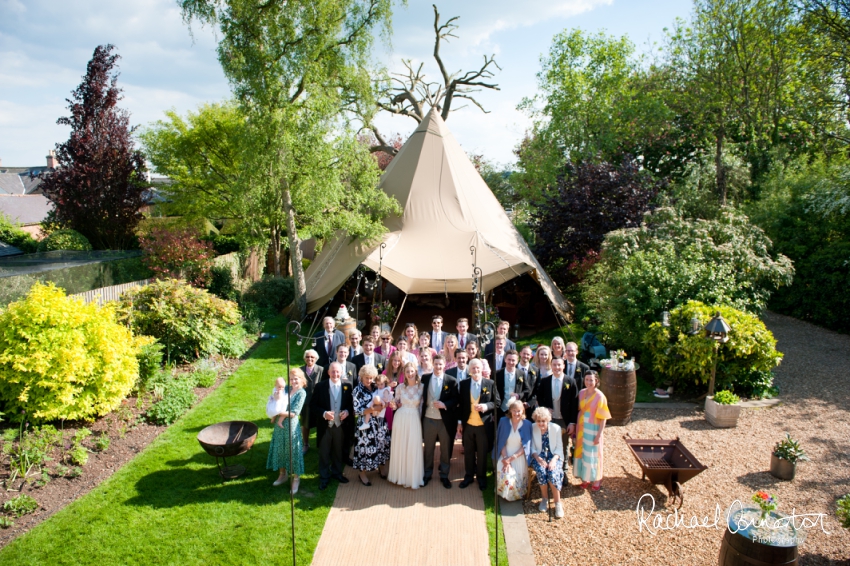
51 159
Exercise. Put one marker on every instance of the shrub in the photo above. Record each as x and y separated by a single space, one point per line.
806 212
842 511
270 295
221 283
63 359
11 234
686 359
21 505
177 253
205 373
223 243
32 449
150 361
65 240
6 522
102 442
177 398
79 455
670 260
189 322
726 398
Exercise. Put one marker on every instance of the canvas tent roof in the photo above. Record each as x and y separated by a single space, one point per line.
447 209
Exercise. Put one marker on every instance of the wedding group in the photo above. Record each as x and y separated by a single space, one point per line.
380 404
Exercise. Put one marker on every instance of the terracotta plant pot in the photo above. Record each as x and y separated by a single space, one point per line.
721 416
782 469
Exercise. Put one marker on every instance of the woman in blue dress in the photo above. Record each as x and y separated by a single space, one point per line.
547 458
286 438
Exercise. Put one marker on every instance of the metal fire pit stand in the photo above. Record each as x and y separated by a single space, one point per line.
231 471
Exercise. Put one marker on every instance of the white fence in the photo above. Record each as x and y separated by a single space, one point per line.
113 293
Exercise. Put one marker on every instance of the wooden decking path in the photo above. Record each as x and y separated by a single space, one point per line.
390 525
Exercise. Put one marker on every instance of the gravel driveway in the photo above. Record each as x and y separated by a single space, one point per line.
814 383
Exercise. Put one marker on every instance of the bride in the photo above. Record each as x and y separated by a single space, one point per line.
406 457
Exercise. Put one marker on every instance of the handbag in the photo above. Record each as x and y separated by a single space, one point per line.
508 487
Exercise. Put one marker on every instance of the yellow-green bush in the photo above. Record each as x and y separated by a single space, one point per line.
189 322
63 359
744 363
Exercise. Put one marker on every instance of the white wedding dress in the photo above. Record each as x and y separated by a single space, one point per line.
407 464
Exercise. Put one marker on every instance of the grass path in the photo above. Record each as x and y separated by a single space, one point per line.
168 506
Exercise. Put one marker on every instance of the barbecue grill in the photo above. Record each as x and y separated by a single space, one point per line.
665 462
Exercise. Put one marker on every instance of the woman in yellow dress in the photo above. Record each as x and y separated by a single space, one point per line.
592 414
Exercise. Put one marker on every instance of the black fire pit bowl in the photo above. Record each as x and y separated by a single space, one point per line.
228 439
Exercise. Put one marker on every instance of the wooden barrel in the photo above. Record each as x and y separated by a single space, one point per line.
739 550
346 327
620 388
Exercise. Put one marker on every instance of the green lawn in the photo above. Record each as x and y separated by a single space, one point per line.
489 508
168 506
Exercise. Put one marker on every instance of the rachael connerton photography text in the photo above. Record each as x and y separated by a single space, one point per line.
653 522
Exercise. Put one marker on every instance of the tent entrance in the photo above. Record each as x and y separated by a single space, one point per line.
521 301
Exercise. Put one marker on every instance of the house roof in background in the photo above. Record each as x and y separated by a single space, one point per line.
25 209
11 184
21 180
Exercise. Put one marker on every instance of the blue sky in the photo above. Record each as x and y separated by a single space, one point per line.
45 45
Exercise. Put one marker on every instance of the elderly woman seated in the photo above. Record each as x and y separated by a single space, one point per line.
512 453
547 458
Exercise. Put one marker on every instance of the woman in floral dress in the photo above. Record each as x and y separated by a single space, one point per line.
287 431
371 448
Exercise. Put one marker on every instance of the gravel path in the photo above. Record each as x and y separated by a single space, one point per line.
814 382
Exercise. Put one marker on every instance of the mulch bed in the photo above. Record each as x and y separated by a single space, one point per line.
814 384
129 434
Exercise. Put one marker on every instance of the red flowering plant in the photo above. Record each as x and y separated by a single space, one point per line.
766 503
178 253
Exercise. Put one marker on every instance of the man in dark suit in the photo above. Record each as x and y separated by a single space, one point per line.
334 408
497 358
478 401
354 347
440 398
461 371
525 356
438 337
313 372
503 328
327 341
369 356
559 393
349 370
463 336
512 383
572 366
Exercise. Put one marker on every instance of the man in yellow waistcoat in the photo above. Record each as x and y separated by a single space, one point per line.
478 401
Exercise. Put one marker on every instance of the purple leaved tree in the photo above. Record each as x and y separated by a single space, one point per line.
99 186
590 200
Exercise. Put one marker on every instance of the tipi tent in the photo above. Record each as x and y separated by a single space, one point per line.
448 208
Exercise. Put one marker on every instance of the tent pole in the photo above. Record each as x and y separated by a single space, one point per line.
398 316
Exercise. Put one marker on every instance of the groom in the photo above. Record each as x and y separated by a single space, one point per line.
438 419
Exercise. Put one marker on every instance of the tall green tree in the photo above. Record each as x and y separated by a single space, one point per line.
735 67
598 101
297 68
201 154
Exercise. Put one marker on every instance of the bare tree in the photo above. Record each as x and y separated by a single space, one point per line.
411 94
